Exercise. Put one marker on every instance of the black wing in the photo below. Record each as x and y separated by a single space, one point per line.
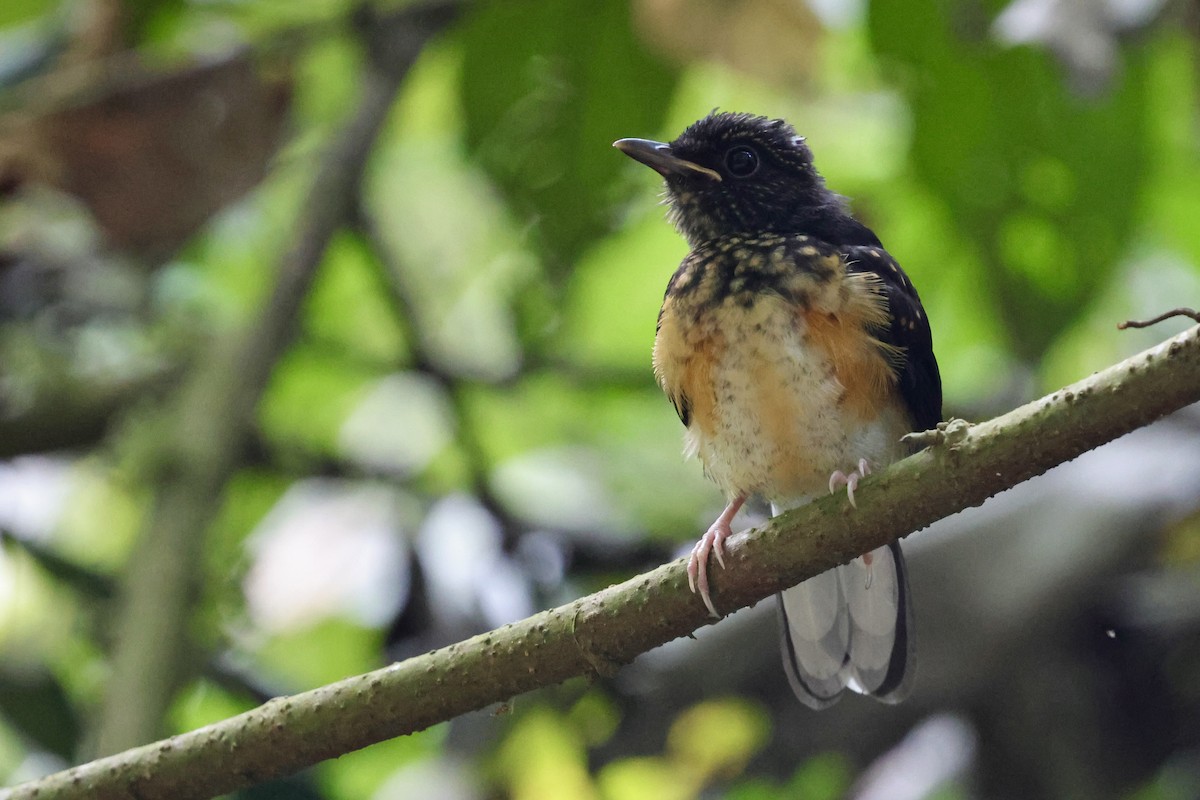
920 383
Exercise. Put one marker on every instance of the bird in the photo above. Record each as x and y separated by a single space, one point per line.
797 354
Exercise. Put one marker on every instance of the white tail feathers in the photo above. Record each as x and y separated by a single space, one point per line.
850 628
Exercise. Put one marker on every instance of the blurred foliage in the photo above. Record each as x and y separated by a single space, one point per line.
532 75
544 756
1032 177
466 427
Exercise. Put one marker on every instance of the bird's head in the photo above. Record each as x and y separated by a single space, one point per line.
736 173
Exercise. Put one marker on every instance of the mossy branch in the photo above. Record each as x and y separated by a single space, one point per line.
964 465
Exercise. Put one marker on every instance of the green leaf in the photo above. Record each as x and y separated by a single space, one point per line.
544 756
611 302
95 586
1045 183
35 703
718 737
547 86
311 394
346 308
367 773
325 652
17 11
826 776
644 778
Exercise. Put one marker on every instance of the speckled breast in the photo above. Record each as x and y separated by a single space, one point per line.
765 347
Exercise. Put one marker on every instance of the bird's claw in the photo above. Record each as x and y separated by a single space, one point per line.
950 433
713 541
849 480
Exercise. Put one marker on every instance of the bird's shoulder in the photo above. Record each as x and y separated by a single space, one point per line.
906 331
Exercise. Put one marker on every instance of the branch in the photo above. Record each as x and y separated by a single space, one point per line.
598 633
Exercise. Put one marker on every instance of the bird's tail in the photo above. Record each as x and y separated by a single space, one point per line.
850 627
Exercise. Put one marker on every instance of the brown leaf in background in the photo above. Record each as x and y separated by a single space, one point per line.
151 155
775 40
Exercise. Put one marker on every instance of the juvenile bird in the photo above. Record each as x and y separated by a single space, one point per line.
797 354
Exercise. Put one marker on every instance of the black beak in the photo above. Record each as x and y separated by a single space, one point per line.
658 157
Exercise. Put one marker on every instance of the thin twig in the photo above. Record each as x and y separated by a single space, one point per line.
1176 312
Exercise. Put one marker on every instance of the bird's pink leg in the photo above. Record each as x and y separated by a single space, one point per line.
713 541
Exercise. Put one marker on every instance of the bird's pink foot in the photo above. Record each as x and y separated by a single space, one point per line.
712 542
849 480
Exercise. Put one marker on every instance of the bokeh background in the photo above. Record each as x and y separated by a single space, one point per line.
459 425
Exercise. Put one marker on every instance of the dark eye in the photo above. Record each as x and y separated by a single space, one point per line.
741 161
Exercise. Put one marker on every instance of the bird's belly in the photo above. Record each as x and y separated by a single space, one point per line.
783 414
